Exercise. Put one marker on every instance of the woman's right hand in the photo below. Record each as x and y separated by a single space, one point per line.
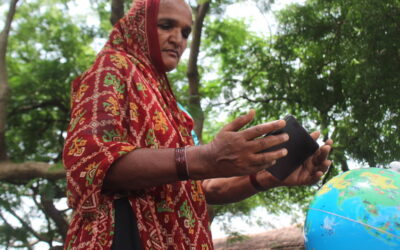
234 152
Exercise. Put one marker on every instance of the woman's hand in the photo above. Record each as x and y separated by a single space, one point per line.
308 173
234 152
311 171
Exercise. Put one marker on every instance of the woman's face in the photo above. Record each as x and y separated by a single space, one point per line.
174 22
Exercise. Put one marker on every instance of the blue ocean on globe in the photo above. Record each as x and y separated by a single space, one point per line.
359 209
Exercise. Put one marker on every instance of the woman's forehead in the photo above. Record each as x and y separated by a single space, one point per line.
172 7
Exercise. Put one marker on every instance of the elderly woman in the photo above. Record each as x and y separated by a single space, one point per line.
135 180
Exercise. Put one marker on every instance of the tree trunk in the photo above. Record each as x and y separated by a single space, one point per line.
117 11
192 72
4 78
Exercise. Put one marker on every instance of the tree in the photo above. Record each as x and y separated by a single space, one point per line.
200 12
4 88
341 58
117 11
45 51
332 64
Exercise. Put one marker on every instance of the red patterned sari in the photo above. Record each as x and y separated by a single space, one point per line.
124 102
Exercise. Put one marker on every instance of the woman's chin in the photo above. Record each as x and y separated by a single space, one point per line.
170 61
169 66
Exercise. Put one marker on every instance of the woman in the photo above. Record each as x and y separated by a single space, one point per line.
127 141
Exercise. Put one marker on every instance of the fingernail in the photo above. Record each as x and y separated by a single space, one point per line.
285 137
284 151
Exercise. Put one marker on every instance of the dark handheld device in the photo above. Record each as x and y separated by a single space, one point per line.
300 146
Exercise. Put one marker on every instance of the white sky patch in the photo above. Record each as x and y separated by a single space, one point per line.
83 10
395 165
263 23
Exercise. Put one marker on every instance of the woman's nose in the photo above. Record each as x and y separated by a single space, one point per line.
176 37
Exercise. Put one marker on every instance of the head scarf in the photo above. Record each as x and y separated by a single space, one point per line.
124 102
136 34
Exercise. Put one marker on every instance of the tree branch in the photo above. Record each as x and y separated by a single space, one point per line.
192 71
245 97
25 224
4 88
6 30
7 238
50 210
50 103
35 194
20 173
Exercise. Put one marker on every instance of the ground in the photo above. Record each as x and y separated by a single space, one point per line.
288 238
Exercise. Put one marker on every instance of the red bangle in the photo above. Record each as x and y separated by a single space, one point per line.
180 164
255 183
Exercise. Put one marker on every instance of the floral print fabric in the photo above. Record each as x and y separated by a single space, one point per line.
122 103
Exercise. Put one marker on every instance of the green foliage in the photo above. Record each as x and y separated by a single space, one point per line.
218 7
333 64
46 52
344 56
103 9
20 211
178 82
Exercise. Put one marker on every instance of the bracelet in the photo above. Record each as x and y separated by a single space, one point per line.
186 163
255 183
180 164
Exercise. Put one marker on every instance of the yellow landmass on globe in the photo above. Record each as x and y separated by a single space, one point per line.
380 181
338 183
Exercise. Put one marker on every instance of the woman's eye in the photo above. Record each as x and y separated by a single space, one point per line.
186 33
164 26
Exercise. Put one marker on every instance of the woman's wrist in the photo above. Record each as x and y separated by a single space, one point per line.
264 180
197 162
255 183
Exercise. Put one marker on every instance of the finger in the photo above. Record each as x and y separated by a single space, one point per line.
315 135
311 166
240 122
262 129
324 166
315 172
322 155
268 158
316 177
267 142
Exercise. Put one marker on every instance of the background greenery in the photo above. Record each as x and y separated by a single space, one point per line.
333 64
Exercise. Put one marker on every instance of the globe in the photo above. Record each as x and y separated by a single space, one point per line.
359 209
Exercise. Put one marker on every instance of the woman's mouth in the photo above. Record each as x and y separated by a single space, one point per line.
172 52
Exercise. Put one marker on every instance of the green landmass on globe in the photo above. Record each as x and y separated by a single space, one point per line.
373 188
357 203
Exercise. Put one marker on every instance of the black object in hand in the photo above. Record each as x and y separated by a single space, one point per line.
300 146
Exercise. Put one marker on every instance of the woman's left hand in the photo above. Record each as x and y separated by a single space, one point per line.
308 173
311 171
